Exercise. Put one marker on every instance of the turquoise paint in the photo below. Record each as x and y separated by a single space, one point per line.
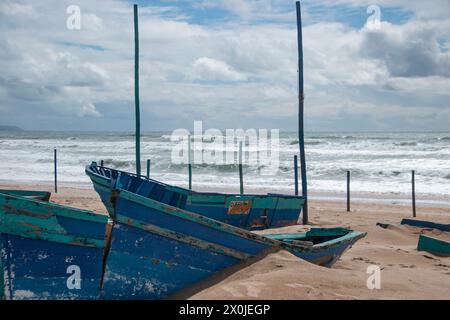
433 245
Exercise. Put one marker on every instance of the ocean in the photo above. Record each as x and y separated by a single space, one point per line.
380 162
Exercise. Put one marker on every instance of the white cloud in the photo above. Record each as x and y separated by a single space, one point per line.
89 109
245 68
211 69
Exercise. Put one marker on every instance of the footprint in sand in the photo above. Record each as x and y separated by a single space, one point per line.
252 288
294 285
442 265
364 260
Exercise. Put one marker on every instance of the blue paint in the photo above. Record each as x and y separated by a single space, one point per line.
143 265
39 241
267 211
157 250
134 210
426 224
36 269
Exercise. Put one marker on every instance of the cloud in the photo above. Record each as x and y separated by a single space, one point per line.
89 109
211 69
232 63
410 50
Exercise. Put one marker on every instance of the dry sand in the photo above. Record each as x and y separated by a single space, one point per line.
405 272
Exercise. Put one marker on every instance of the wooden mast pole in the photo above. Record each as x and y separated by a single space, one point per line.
301 136
136 92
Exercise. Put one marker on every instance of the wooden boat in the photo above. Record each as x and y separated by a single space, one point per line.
433 245
426 224
38 195
157 250
49 251
246 211
153 250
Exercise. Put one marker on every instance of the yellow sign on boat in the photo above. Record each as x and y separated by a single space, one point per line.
239 207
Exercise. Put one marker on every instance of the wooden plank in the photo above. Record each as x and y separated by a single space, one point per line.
193 217
38 195
205 245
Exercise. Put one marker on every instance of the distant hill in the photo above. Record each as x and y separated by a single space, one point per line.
10 128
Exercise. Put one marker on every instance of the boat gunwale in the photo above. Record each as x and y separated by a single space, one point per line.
80 214
191 216
55 211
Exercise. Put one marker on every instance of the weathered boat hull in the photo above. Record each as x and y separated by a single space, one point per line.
251 212
433 245
426 224
157 250
328 244
49 251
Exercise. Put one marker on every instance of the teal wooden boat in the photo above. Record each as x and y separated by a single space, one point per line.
49 251
251 212
433 245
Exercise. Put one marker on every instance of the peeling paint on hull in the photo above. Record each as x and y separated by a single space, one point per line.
39 269
158 250
41 243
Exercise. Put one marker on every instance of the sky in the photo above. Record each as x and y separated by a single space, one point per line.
380 65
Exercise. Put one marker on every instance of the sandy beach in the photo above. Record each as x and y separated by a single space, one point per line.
405 272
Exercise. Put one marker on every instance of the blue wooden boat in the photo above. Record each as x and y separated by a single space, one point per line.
251 212
426 224
157 250
49 251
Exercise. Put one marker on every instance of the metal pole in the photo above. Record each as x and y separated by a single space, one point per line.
101 163
136 91
348 191
241 176
189 163
413 182
296 175
148 168
301 137
55 170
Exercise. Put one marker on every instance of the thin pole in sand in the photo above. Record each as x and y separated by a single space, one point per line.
148 168
348 191
241 178
55 170
296 175
413 183
189 163
136 92
301 97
